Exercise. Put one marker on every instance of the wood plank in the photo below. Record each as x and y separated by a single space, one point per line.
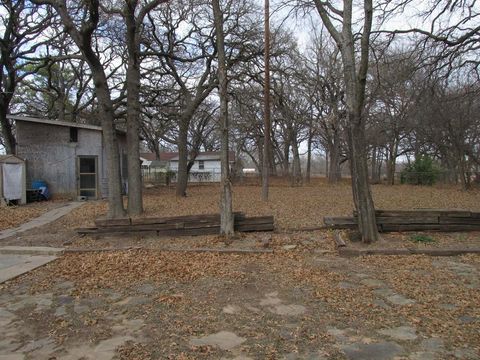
459 220
340 222
112 222
255 220
428 227
420 212
87 230
407 220
423 212
140 228
190 232
254 227
185 218
175 219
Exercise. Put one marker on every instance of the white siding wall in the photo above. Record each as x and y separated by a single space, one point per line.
212 171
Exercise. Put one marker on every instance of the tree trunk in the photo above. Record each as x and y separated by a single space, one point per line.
286 157
135 199
334 172
83 40
309 154
327 156
182 173
373 166
115 200
361 186
296 170
355 78
267 161
7 131
226 214
391 163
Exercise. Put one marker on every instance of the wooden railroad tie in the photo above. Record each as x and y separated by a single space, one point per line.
190 225
414 220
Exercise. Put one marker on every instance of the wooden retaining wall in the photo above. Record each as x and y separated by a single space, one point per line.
414 220
179 225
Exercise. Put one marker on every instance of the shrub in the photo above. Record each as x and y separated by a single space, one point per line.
422 171
420 238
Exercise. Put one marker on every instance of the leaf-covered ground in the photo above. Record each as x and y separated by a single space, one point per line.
13 216
292 305
293 207
301 302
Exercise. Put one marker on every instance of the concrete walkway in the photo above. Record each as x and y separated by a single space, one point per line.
12 266
44 219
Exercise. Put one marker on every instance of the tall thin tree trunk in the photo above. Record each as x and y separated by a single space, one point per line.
135 199
286 157
334 160
267 161
226 214
361 186
309 154
115 200
355 77
373 166
182 172
327 157
296 171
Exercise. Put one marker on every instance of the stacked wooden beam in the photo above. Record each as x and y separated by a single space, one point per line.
414 220
179 225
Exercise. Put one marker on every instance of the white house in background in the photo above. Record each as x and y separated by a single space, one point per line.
206 168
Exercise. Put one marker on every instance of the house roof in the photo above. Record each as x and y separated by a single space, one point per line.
173 156
148 156
54 122
59 123
209 155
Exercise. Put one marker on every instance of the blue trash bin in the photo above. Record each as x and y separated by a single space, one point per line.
41 185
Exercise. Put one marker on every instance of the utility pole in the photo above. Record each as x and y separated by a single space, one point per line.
267 122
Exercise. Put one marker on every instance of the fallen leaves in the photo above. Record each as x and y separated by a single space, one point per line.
293 207
120 269
13 216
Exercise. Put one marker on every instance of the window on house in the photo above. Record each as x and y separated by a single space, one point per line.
73 134
201 165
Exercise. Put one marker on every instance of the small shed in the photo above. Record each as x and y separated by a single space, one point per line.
12 180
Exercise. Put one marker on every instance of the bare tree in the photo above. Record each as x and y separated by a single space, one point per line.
82 29
133 15
355 77
226 215
21 24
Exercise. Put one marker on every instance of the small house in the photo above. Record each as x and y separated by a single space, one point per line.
207 166
70 157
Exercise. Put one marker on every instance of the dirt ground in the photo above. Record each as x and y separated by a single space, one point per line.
295 304
301 302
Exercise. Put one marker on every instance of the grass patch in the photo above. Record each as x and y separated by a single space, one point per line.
423 239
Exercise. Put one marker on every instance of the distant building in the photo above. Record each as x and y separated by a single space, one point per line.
206 167
69 157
